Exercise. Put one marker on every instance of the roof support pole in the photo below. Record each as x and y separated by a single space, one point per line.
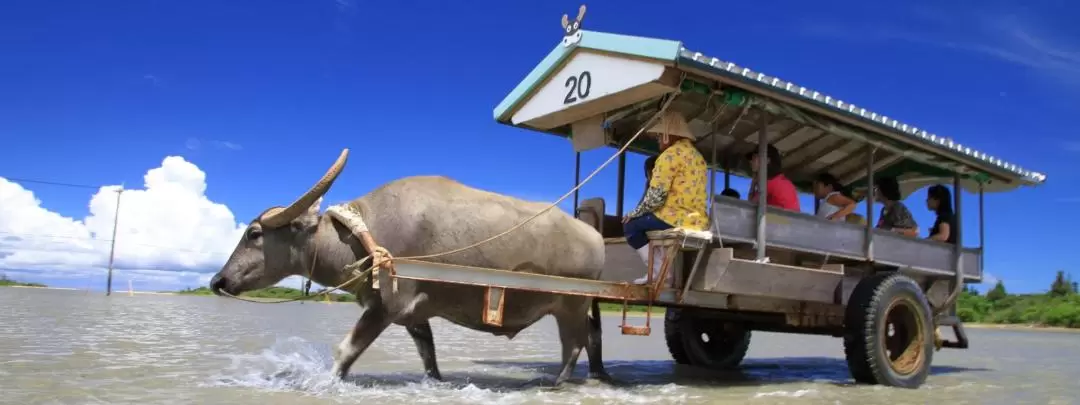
982 229
870 204
577 181
727 172
621 184
762 179
958 250
712 176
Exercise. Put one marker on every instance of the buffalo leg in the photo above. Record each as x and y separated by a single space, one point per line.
371 324
425 345
574 335
595 347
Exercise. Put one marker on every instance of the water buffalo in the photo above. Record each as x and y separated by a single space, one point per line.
426 215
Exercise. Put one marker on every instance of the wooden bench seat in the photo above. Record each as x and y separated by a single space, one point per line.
687 238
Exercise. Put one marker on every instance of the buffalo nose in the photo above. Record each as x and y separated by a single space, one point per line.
217 284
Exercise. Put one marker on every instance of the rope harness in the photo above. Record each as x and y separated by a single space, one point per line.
381 257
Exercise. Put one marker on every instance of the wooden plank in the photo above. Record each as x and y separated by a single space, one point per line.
725 274
517 280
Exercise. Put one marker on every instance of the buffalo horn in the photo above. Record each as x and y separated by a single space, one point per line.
277 216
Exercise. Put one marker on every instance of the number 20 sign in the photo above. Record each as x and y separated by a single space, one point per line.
577 87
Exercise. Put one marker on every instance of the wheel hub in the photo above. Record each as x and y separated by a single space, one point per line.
903 337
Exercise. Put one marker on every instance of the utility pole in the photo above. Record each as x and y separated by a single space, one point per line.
112 245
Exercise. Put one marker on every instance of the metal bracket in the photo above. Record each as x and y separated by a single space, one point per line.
494 302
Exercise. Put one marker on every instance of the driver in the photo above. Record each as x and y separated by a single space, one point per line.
676 194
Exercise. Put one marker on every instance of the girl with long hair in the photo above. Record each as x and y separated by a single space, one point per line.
939 200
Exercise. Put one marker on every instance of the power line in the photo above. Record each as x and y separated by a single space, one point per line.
33 235
51 183
15 247
45 269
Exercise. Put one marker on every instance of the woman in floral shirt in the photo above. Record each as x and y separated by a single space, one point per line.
895 216
676 193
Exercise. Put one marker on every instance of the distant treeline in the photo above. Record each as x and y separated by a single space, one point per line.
1060 306
7 282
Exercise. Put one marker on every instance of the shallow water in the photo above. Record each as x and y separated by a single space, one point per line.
71 347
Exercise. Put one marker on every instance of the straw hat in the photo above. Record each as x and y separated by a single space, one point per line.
672 123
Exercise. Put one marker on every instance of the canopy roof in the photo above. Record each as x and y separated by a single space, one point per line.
628 78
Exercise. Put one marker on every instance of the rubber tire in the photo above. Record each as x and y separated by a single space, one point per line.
681 332
673 337
864 346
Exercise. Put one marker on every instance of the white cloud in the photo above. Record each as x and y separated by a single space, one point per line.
170 234
228 145
154 80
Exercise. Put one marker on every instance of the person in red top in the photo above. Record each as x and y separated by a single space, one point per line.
780 192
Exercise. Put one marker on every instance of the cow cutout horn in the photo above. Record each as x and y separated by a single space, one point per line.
277 216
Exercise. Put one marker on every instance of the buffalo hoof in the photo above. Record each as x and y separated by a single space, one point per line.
536 383
602 376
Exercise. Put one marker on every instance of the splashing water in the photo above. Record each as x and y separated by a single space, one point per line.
294 365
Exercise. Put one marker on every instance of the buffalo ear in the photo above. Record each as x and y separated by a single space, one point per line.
308 220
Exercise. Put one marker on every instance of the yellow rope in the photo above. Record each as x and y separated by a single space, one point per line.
356 265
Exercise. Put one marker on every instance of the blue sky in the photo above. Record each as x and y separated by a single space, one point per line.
262 96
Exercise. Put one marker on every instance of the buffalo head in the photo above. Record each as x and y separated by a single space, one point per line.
278 243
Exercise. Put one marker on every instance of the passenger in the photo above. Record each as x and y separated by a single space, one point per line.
730 192
780 191
650 163
894 216
833 204
939 200
676 194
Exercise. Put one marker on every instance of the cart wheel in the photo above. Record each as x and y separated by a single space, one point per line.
704 342
888 338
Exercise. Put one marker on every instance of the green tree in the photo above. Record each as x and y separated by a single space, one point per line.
998 292
970 289
1062 285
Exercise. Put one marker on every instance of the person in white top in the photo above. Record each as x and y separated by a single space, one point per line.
833 204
